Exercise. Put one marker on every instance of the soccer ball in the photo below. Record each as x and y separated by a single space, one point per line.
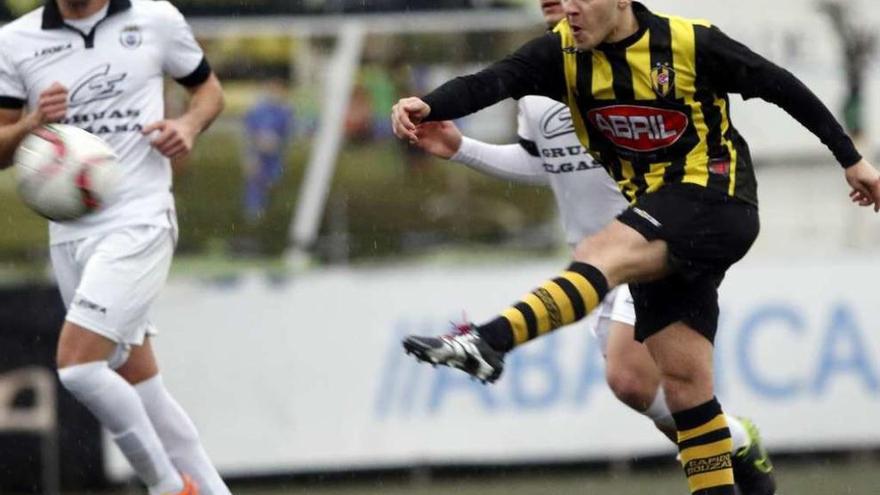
64 173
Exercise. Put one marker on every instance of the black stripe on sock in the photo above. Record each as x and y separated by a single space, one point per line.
697 416
712 436
577 302
497 333
717 490
593 276
531 319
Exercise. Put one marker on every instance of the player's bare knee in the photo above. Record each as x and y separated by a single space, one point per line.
598 250
77 345
136 374
72 355
81 379
631 389
591 247
687 387
65 360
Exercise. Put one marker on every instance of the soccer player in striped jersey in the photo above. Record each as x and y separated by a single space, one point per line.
648 96
549 153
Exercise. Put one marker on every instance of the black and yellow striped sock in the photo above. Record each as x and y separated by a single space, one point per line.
557 302
704 443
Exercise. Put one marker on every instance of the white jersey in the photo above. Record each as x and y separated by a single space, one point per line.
587 197
114 74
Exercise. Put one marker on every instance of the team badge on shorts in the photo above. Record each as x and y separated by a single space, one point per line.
663 80
131 37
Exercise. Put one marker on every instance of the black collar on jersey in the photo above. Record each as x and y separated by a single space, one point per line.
52 14
643 17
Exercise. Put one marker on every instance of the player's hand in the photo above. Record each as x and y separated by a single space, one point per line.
174 138
51 105
406 114
865 182
441 139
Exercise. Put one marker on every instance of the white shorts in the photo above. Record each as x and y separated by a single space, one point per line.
108 282
617 306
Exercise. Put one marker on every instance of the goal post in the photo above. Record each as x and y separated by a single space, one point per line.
340 78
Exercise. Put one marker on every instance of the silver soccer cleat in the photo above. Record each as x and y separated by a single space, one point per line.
464 350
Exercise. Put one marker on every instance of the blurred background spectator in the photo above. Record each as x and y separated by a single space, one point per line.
268 126
858 44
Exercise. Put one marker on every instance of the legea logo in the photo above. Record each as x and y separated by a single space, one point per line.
556 122
638 128
97 84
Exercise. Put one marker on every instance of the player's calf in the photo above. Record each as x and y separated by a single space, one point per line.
179 436
119 409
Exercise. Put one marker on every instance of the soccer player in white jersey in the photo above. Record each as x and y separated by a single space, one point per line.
99 65
549 153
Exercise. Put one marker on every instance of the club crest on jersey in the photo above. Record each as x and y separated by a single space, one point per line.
131 37
663 80
639 128
720 167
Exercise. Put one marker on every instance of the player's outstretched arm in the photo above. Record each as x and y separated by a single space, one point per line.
15 124
535 69
175 137
441 139
865 182
734 68
503 161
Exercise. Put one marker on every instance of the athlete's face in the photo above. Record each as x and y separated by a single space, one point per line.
75 4
552 11
80 8
594 21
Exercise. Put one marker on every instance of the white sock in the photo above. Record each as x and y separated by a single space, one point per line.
738 433
179 436
119 409
659 413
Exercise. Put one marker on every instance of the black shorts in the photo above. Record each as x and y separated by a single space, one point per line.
706 231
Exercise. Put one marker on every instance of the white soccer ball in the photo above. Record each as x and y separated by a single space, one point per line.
64 173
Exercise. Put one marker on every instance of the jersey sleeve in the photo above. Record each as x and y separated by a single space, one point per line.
734 68
183 58
13 95
535 69
503 161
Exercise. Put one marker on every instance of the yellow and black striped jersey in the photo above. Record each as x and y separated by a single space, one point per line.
654 107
